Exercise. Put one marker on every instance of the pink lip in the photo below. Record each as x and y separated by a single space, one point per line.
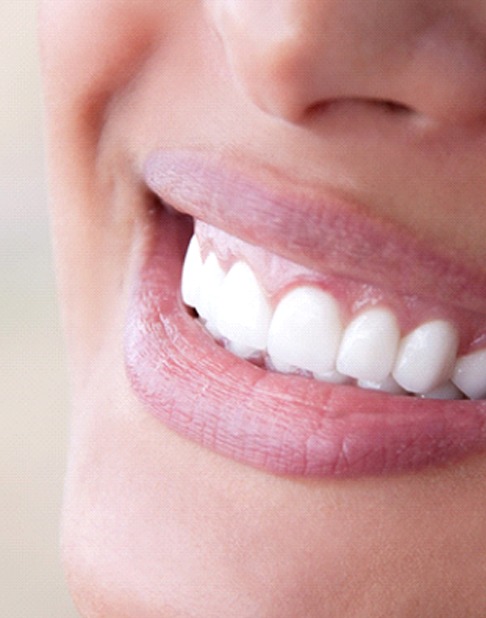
331 234
283 424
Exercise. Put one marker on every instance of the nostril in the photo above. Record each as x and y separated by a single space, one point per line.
354 105
393 107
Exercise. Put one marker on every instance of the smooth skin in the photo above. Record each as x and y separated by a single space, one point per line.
384 98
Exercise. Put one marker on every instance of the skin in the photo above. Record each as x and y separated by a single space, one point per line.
153 524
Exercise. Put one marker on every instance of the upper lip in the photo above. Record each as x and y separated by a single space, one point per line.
312 225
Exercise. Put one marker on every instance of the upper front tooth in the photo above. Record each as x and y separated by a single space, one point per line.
244 313
305 330
426 356
470 374
212 276
369 346
191 273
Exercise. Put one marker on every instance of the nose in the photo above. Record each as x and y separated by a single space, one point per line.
295 57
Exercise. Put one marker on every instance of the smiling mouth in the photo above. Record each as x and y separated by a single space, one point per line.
293 369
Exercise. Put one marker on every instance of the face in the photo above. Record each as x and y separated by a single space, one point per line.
300 432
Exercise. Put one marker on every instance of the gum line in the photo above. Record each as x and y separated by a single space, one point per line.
278 276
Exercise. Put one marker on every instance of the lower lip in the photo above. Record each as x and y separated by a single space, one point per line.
286 425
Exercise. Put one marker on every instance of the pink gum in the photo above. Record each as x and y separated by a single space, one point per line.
278 275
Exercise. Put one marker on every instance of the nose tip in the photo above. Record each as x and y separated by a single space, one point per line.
293 57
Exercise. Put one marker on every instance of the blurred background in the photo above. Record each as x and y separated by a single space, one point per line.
33 392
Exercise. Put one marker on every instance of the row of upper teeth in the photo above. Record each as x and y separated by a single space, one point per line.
304 333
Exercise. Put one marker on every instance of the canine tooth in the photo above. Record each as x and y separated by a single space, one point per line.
243 313
445 391
426 356
369 345
212 276
191 273
388 385
470 374
305 330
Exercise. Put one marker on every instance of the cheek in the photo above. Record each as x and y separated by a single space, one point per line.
92 51
92 48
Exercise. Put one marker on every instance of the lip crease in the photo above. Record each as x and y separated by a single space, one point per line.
287 425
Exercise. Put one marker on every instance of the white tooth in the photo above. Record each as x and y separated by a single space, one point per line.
211 328
333 377
243 310
305 330
277 365
388 385
212 276
470 374
446 391
191 273
426 356
241 350
369 345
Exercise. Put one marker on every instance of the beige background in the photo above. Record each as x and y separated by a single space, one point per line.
33 413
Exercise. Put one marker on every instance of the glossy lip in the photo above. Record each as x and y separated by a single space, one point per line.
283 424
327 233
